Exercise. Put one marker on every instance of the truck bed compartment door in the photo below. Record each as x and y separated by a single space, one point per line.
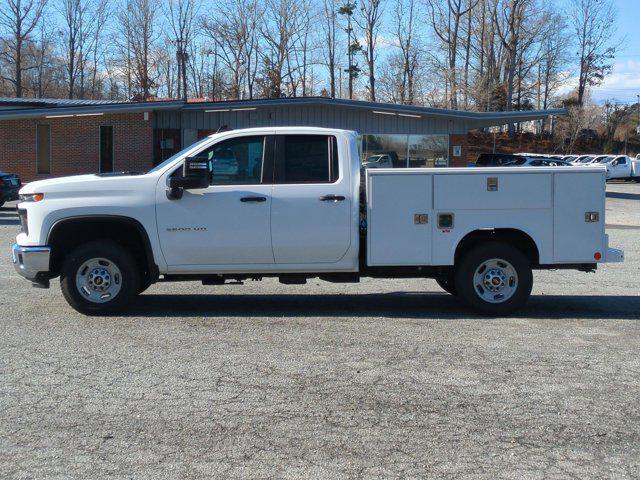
399 219
576 238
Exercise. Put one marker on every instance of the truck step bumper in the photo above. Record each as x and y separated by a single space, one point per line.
32 263
613 255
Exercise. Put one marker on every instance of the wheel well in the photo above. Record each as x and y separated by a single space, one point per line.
68 234
512 236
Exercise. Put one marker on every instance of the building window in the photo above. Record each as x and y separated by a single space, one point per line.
106 149
43 149
402 151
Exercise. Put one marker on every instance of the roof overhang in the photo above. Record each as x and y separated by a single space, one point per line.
473 119
477 119
86 110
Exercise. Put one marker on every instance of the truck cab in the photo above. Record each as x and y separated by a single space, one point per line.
293 203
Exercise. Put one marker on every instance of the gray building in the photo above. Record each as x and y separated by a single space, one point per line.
40 138
416 136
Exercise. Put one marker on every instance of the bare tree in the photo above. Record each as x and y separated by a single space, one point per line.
368 19
404 23
282 30
235 33
512 13
446 16
181 15
330 37
138 26
594 26
19 18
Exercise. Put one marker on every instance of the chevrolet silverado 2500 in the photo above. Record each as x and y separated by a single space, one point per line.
293 203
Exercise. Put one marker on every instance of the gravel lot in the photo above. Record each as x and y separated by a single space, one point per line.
377 379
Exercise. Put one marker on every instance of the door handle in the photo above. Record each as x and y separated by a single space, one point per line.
253 199
332 198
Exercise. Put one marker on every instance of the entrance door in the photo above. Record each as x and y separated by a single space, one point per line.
311 201
227 223
106 149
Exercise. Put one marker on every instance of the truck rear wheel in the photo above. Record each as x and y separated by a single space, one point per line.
494 278
99 277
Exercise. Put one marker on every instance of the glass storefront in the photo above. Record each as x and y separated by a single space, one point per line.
402 151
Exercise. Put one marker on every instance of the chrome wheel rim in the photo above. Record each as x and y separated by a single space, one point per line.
99 280
495 280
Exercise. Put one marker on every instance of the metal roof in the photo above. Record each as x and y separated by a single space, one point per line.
513 116
38 108
24 110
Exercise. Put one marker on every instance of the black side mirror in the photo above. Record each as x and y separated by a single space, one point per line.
196 173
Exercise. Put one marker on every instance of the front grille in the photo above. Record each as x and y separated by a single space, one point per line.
24 223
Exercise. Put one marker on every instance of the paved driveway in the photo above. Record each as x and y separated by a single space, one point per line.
377 379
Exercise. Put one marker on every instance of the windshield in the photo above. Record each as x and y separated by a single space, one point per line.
586 159
602 159
176 155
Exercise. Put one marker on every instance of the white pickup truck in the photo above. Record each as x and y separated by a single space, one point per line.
293 203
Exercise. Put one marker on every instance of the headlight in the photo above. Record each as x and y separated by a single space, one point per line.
24 222
31 197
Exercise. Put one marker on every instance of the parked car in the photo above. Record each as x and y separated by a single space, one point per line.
480 236
532 161
619 166
497 159
635 168
9 186
583 159
225 163
378 161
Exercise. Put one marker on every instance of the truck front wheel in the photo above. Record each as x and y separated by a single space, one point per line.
99 277
494 278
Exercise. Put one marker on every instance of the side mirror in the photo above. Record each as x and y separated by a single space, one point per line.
196 173
197 167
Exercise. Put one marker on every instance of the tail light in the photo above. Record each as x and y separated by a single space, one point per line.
2 182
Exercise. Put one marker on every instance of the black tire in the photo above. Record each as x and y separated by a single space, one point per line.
473 260
129 278
448 284
144 284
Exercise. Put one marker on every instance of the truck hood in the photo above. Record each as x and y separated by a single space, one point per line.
78 185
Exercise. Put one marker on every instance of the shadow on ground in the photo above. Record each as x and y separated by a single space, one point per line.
9 216
391 305
624 196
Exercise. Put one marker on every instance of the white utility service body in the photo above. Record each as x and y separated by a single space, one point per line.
475 230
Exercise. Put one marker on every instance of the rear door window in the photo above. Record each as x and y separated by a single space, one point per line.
306 159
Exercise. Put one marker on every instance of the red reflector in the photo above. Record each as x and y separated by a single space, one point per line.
597 255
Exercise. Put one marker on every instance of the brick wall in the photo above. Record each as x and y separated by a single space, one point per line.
458 140
75 144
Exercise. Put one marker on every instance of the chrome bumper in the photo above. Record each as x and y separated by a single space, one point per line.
32 263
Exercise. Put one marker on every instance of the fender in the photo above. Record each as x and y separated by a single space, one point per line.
151 264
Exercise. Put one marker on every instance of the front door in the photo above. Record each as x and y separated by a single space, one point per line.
311 201
227 223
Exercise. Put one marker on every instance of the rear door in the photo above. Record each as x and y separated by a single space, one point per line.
310 201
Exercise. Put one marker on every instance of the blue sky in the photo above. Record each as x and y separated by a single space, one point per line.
624 82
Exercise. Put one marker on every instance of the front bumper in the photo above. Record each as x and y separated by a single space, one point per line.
32 263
